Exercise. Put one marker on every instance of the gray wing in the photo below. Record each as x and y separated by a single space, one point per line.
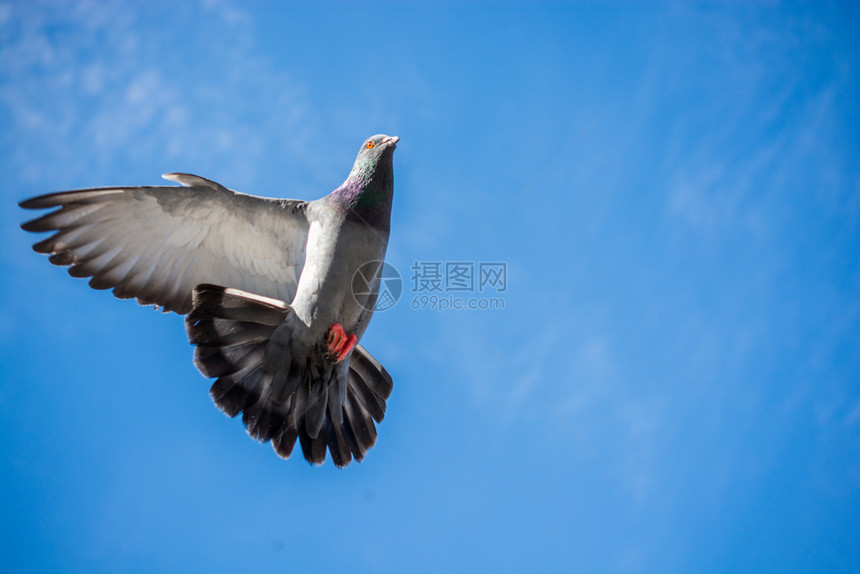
157 243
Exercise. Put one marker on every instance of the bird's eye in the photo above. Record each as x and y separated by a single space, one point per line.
369 145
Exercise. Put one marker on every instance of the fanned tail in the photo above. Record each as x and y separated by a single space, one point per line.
245 341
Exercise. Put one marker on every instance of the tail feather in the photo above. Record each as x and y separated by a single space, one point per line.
244 341
206 333
357 451
220 361
337 445
313 448
370 381
337 397
225 386
372 372
286 439
238 306
373 404
235 394
263 423
360 423
285 384
316 409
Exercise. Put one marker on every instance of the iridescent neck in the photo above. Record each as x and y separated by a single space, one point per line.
369 189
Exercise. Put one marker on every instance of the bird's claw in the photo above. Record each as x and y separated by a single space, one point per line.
339 342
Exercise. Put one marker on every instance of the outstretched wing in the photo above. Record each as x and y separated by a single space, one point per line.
157 243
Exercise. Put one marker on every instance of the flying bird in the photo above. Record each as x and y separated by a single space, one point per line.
267 287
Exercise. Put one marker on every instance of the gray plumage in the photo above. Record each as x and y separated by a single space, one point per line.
262 282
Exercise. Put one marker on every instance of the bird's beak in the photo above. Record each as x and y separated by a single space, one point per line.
391 140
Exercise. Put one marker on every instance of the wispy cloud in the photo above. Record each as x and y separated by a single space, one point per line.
86 89
747 147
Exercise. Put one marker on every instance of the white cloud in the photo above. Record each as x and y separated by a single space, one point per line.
88 89
764 131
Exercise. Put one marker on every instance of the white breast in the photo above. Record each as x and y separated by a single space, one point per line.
335 251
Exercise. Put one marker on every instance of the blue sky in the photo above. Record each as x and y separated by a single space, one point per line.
674 189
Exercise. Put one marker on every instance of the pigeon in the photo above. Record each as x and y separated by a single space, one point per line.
276 293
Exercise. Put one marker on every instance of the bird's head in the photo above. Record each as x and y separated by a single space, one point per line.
376 153
370 184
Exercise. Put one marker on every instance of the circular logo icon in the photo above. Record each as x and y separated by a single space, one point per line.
377 286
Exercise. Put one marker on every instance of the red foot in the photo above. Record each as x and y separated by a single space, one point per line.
339 343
